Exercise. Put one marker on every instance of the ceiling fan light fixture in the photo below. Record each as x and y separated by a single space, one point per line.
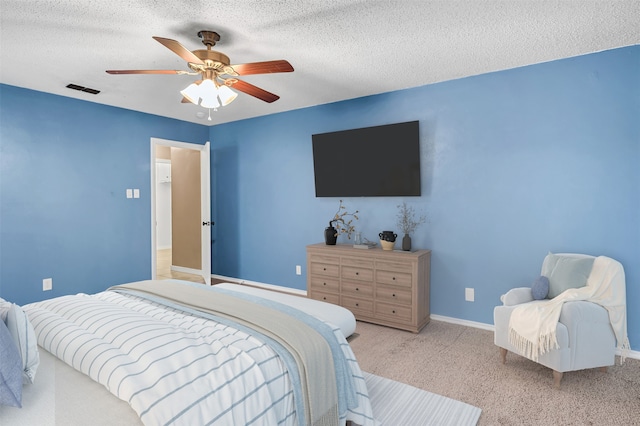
191 93
208 94
210 103
226 95
208 86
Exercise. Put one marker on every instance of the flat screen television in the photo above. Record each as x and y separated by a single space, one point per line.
379 161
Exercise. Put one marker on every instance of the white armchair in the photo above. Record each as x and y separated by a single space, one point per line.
584 330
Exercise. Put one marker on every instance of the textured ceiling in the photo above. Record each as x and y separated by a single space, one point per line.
340 49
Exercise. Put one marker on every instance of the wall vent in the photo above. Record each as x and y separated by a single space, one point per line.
82 89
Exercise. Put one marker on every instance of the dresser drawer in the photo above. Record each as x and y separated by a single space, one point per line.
393 294
320 258
358 289
326 297
319 283
388 265
393 312
358 306
357 261
327 269
356 273
401 279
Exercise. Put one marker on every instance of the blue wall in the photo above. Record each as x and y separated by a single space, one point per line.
66 165
514 164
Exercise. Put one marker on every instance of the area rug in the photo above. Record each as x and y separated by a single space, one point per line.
395 403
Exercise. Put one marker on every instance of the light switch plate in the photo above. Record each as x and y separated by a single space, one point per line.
136 193
469 294
47 284
129 193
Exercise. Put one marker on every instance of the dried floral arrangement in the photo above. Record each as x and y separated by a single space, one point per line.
343 221
406 219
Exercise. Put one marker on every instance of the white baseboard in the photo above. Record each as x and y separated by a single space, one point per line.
631 354
474 324
186 270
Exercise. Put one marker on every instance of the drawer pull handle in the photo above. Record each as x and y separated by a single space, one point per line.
357 304
324 298
324 283
324 269
393 295
357 273
393 278
394 311
357 289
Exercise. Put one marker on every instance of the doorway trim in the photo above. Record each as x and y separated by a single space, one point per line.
205 196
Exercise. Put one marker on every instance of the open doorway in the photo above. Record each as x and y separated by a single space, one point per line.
180 205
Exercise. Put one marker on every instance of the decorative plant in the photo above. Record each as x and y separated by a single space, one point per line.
406 219
343 221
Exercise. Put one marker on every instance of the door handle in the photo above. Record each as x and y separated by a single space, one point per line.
208 223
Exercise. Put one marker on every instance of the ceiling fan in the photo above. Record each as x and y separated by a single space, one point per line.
218 75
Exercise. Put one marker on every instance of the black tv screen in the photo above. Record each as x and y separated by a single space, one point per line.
380 161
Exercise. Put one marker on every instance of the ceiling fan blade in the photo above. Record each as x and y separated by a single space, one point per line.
179 50
254 91
266 67
144 72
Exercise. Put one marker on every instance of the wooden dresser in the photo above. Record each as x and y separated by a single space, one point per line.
383 287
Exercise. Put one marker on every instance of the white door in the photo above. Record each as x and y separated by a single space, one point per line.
205 201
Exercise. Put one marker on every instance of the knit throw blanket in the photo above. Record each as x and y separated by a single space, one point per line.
532 326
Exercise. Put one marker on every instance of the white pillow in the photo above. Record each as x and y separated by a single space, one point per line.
566 271
4 309
23 334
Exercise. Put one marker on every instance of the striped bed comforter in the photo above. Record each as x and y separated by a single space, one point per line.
176 367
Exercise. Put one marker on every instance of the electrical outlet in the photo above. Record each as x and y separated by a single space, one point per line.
298 270
469 294
47 284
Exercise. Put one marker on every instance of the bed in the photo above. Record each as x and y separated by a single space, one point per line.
182 353
327 312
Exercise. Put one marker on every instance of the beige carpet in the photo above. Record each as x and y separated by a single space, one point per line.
463 363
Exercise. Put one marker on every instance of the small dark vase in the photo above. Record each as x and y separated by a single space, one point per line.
406 242
330 235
